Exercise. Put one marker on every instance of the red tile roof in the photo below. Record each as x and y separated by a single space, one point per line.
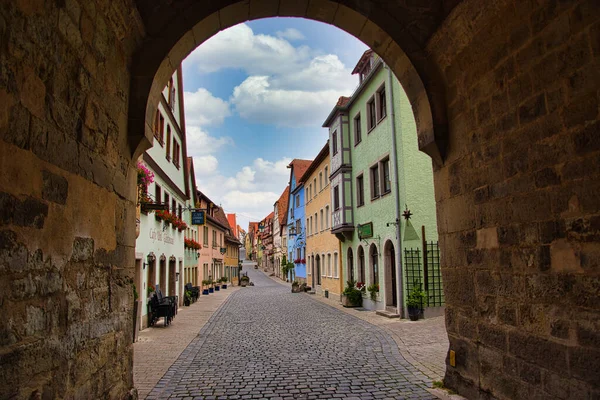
299 167
363 60
282 206
342 101
233 224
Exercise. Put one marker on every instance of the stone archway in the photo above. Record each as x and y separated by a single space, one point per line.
505 98
391 280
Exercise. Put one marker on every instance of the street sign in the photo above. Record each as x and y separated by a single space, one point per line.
198 217
365 230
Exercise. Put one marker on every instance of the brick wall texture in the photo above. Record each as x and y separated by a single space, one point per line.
506 92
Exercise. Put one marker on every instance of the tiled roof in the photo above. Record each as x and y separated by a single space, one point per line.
233 224
363 59
299 167
342 101
282 205
221 217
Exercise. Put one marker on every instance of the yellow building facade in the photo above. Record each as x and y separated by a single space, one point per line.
322 247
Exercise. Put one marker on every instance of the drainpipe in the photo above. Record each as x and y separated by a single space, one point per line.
399 269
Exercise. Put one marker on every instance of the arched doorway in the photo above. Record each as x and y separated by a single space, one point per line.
391 293
472 65
151 270
350 265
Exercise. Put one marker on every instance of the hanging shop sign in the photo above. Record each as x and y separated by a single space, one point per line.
365 230
198 217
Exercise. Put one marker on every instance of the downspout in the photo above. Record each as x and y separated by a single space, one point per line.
399 269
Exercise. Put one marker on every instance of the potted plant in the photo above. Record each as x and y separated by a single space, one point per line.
205 284
211 288
187 299
415 301
244 281
351 296
217 284
224 282
373 291
296 287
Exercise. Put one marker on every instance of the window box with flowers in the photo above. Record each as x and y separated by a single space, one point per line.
144 178
191 244
179 224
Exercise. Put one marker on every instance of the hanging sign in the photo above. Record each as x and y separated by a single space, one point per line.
365 230
198 217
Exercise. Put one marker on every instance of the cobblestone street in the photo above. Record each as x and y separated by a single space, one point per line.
265 342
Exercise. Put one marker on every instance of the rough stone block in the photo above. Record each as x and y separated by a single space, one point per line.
55 188
544 353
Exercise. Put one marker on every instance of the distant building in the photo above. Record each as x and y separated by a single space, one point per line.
322 247
296 228
279 232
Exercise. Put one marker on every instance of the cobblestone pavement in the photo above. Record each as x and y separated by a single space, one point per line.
159 347
265 342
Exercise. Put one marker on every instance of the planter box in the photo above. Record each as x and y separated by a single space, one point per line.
217 288
224 286
205 291
211 290
347 303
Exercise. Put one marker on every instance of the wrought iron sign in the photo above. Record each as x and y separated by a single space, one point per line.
365 230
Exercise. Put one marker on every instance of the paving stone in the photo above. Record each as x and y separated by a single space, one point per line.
265 342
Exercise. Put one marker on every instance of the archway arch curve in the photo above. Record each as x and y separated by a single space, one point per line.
174 31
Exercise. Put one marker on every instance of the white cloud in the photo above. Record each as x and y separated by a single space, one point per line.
256 101
251 191
290 34
200 143
239 48
205 165
202 108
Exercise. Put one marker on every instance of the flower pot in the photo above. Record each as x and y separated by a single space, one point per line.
211 290
244 283
413 313
217 288
224 286
348 302
205 291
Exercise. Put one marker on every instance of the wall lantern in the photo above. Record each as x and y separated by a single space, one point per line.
292 230
261 228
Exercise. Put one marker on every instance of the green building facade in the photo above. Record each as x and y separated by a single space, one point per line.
374 187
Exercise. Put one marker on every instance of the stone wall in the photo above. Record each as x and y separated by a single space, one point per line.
67 220
519 198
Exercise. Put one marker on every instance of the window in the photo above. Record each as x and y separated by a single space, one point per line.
297 200
375 182
329 265
336 198
385 167
168 153
334 147
157 193
335 265
320 181
205 236
308 226
171 89
326 217
316 223
298 227
214 238
357 130
309 193
173 206
315 187
176 152
326 176
180 212
167 199
382 111
360 191
371 116
374 268
322 225
159 127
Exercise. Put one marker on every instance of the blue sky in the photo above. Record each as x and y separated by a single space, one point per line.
256 95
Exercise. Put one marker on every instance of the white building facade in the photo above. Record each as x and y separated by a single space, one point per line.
159 248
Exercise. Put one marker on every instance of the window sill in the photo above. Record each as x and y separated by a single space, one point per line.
357 143
375 198
381 119
371 129
360 205
386 193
